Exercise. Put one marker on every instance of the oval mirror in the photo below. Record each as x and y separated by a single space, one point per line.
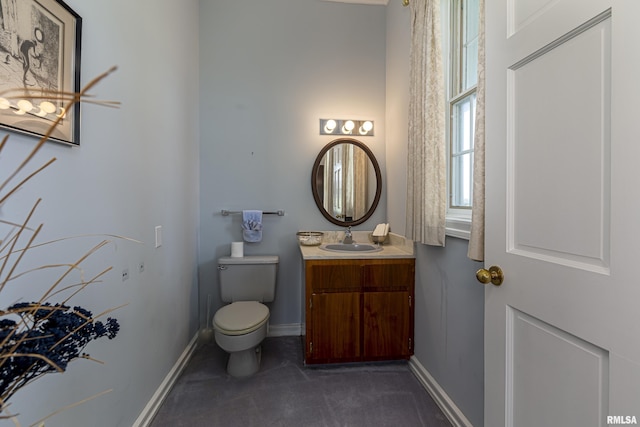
346 182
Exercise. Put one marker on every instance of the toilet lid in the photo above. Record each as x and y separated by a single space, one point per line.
240 317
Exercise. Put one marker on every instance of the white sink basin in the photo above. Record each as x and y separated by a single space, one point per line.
351 247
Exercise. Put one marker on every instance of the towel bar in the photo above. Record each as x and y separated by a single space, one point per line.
225 212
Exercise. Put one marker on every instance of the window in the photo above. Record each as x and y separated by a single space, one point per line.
460 38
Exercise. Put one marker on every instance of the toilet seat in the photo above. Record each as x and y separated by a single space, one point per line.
240 317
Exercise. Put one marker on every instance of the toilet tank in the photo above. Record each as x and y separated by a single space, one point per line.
249 278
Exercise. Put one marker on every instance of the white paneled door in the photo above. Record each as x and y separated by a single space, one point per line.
562 332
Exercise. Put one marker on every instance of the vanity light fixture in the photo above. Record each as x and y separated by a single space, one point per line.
346 127
23 106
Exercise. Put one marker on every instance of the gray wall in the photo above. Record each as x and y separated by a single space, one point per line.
450 324
269 71
449 335
136 168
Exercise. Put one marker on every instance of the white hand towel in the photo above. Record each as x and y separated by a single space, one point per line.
252 226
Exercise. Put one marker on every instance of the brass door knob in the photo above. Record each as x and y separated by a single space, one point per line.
492 275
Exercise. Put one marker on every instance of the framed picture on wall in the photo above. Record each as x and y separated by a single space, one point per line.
39 63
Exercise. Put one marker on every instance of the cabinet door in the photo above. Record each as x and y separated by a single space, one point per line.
335 335
387 325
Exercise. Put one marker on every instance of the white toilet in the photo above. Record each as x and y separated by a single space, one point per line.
240 327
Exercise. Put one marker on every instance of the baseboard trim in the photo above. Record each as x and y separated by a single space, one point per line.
449 408
285 330
149 411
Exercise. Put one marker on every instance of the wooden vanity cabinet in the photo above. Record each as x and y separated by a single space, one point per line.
358 310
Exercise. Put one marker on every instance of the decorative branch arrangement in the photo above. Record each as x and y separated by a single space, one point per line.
42 336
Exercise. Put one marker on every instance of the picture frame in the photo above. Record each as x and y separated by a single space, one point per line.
40 44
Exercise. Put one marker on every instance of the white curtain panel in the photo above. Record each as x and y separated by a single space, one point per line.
426 162
348 177
328 183
476 241
361 173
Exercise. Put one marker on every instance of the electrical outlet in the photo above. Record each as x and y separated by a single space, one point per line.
125 274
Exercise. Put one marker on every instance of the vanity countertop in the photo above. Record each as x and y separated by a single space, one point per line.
395 246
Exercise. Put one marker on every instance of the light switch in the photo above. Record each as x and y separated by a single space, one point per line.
158 236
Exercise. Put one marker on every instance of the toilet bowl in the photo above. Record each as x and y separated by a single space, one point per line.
239 328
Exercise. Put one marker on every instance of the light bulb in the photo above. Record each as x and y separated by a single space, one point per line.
329 126
365 127
48 107
348 126
25 105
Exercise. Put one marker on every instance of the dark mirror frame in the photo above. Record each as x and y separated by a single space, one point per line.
314 188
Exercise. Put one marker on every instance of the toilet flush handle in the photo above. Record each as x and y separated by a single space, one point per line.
222 267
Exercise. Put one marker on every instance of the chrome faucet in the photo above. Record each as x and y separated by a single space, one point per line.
348 239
